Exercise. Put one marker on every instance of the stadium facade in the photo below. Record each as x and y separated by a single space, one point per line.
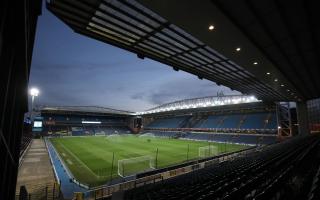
226 116
266 48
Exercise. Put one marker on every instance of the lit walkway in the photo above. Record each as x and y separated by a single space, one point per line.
35 171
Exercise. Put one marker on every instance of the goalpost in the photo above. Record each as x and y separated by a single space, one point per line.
207 151
130 166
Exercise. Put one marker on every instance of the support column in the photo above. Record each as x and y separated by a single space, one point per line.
302 115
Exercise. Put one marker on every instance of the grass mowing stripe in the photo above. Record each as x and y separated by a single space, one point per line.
95 153
70 152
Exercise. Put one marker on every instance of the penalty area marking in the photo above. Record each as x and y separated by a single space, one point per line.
82 163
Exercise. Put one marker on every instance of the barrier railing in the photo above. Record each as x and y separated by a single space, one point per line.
49 191
106 191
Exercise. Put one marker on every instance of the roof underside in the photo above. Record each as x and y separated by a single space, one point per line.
86 109
134 27
235 108
287 32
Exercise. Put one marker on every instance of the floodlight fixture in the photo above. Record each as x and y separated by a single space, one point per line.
211 27
34 92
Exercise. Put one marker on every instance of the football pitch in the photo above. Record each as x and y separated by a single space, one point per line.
90 158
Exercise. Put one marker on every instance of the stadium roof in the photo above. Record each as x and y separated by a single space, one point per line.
86 109
203 102
266 48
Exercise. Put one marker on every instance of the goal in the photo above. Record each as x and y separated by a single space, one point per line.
130 166
207 151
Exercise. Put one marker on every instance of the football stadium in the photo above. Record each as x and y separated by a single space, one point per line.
261 141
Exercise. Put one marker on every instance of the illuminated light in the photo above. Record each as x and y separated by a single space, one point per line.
255 63
268 73
282 85
279 127
90 122
288 90
34 92
211 27
37 124
238 49
275 80
203 103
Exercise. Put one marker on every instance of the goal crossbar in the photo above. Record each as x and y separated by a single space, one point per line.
207 151
147 160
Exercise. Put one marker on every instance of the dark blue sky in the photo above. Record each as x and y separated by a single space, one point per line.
71 69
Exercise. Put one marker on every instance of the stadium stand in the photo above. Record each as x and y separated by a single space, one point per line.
315 187
163 134
210 122
271 122
80 122
230 122
249 139
171 37
254 121
171 122
250 121
230 126
257 175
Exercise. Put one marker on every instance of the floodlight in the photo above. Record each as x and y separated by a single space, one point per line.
211 27
34 92
90 122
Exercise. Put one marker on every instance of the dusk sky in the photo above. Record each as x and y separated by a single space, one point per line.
73 70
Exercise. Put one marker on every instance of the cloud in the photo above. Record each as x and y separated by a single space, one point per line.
138 96
71 69
179 89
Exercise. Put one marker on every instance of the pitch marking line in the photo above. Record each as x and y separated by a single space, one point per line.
82 163
69 161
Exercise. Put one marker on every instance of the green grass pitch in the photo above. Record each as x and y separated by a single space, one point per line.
90 158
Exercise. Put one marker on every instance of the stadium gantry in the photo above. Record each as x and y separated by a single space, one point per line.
196 148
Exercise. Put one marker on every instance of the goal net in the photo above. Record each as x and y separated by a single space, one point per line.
130 166
207 151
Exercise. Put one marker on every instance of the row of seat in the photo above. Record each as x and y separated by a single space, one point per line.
219 137
86 130
252 121
315 188
170 122
79 119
